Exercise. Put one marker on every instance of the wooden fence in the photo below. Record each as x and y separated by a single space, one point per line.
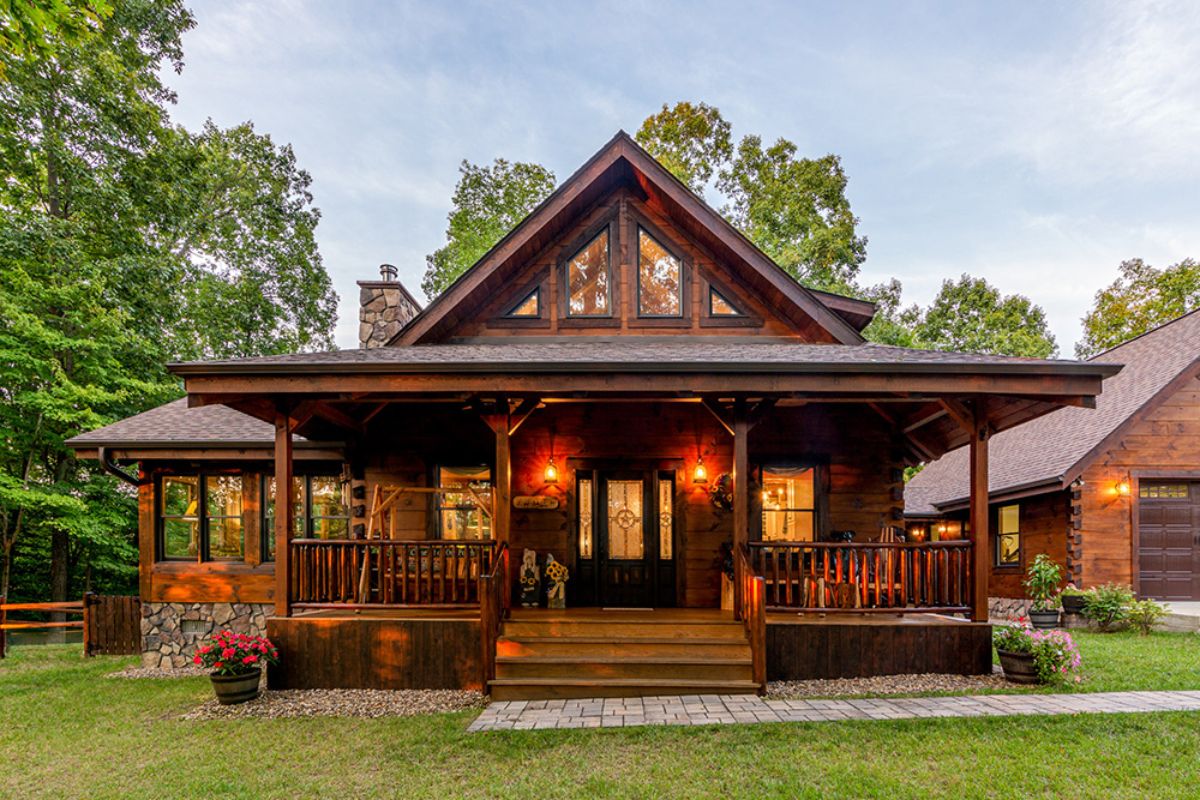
111 625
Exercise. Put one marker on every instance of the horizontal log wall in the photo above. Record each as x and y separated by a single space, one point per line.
1044 525
350 653
851 649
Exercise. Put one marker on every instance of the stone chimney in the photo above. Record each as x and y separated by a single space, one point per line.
385 307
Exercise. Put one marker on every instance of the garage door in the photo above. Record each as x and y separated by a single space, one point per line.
1169 540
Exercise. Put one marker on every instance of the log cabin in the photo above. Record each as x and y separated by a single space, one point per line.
1112 494
624 383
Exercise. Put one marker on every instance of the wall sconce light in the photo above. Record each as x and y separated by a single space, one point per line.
551 473
700 474
1123 488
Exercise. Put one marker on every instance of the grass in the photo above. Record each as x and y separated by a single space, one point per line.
65 731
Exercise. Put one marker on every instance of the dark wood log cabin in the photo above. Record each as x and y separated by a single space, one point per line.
623 382
1112 494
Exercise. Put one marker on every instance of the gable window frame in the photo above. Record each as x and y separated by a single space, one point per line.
1002 534
612 318
637 224
201 518
507 319
744 319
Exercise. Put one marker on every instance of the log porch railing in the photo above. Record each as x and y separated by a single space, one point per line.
750 606
388 573
495 599
866 577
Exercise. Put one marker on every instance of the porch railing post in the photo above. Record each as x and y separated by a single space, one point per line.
979 513
741 492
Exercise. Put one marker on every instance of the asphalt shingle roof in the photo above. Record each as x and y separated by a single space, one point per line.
175 424
1046 448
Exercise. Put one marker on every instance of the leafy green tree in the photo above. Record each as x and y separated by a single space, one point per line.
124 243
691 140
32 29
488 202
970 315
1140 299
892 324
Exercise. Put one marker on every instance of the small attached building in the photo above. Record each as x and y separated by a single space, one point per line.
1111 493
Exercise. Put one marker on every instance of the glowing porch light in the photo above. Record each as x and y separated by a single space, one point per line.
551 473
700 474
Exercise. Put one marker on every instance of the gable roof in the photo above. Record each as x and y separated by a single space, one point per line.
1051 451
619 161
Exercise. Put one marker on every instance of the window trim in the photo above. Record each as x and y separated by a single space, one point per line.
612 319
1000 533
819 510
747 318
203 552
266 519
438 507
638 225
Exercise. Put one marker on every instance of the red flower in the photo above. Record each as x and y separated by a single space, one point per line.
197 660
249 659
228 652
219 664
205 649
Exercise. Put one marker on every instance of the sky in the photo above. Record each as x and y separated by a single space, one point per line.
1034 144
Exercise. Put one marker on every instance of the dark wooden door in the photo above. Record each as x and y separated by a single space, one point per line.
1169 540
625 532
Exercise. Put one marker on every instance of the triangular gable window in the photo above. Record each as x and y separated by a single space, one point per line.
529 307
587 279
719 305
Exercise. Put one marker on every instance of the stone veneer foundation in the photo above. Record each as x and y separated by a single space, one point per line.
1008 607
171 631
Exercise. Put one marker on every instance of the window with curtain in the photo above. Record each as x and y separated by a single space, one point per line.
789 507
200 517
459 512
1008 540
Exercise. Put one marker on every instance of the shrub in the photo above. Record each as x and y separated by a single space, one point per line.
1107 605
1041 579
230 653
1055 654
1145 614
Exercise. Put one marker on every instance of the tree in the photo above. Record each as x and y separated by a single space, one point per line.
34 28
970 315
690 140
124 243
488 202
1140 299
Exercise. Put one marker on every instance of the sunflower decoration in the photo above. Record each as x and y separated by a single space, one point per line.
557 572
721 492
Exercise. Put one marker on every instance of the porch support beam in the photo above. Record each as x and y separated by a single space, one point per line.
979 511
283 512
741 489
499 419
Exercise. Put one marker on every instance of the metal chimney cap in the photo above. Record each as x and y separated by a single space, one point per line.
388 272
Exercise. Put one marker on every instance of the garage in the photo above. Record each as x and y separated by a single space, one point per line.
1169 540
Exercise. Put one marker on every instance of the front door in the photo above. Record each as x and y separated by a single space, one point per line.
626 529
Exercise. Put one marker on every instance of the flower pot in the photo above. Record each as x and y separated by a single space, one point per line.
1018 667
233 689
1044 620
1072 603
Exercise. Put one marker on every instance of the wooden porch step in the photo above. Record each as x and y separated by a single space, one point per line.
544 688
715 629
607 646
714 670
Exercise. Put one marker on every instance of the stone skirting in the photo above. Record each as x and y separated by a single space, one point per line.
171 631
1008 608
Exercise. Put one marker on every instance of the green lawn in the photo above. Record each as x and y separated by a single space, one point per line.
65 731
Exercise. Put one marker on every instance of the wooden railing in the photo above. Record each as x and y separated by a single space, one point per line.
750 607
6 625
495 598
895 577
387 573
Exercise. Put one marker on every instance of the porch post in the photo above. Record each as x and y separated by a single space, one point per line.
503 508
979 512
741 489
283 513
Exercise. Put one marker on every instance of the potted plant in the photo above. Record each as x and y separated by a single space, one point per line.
1032 656
1041 581
1072 599
1108 606
236 660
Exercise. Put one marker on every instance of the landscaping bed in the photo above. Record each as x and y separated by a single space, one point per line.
368 703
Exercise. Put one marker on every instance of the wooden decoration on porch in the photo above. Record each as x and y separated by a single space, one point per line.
535 503
556 586
531 578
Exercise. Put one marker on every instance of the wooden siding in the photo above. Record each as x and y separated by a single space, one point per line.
812 648
1044 524
375 653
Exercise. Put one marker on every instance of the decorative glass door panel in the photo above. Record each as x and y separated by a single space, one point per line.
626 520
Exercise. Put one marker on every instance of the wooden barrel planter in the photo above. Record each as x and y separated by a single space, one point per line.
234 689
1018 667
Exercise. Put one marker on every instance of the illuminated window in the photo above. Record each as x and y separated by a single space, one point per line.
788 504
946 530
660 279
319 510
666 518
588 279
181 516
1164 491
460 513
1008 542
530 306
223 515
718 306
584 504
626 532
200 517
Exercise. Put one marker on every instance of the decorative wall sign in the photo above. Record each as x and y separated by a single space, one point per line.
535 502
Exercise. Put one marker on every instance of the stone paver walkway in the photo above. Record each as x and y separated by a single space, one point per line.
732 709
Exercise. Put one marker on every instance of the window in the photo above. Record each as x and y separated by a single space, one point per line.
1164 491
1008 542
626 538
788 504
201 517
718 306
319 510
530 306
660 279
666 518
946 530
588 279
460 515
584 504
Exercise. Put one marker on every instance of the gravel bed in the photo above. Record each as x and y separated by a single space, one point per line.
154 672
885 685
342 703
